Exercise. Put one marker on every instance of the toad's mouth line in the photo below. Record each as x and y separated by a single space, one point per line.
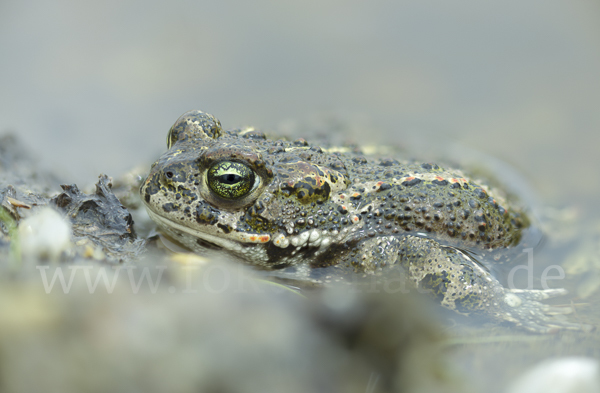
228 244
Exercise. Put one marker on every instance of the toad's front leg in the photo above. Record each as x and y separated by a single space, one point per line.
462 285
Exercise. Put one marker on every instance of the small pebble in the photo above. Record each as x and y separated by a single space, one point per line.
45 235
563 375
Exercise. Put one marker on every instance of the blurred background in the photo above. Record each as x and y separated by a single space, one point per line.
94 86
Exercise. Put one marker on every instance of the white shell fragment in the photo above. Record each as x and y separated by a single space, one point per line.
564 375
44 235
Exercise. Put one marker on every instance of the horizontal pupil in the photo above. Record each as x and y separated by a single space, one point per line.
230 178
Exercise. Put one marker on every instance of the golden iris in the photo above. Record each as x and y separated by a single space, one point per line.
230 180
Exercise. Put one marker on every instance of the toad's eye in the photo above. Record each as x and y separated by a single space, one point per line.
230 180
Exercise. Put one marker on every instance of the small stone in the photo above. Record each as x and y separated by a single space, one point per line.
45 235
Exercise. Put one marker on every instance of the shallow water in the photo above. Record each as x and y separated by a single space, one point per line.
94 88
